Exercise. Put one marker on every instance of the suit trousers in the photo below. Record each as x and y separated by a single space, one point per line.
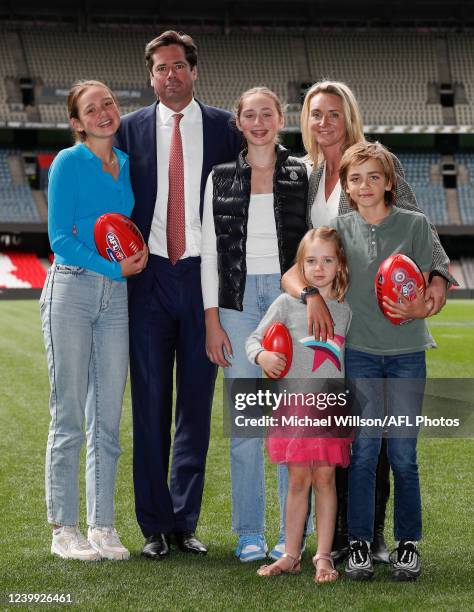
167 328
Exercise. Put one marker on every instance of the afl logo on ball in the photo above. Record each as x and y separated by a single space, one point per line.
114 249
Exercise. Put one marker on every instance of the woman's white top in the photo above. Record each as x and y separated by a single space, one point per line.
261 246
322 210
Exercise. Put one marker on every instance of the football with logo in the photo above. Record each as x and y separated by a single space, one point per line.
400 273
117 237
278 340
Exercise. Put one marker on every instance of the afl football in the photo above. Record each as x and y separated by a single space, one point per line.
397 272
278 340
117 237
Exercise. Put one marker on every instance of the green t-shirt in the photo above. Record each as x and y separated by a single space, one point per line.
402 231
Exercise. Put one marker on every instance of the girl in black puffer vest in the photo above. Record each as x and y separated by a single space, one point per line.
254 217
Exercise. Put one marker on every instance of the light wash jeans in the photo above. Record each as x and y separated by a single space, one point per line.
85 327
246 454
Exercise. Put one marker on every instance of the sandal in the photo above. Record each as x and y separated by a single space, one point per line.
276 570
322 574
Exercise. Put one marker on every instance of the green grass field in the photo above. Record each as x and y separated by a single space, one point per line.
218 581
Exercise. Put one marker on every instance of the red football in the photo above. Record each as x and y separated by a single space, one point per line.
277 339
401 273
117 237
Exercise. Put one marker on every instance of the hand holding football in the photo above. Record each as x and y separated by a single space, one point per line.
277 339
397 276
117 237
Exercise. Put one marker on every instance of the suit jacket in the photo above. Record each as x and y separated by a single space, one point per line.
137 137
405 198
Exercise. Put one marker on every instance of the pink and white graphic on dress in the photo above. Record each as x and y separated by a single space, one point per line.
329 350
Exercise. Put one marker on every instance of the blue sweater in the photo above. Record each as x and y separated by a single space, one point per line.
79 192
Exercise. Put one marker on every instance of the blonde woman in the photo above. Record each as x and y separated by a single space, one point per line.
331 123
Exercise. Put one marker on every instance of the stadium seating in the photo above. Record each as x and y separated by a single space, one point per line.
7 69
467 264
392 88
390 85
21 270
16 201
466 190
60 59
390 75
418 168
461 52
456 269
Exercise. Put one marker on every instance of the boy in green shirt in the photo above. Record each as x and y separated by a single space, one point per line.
377 350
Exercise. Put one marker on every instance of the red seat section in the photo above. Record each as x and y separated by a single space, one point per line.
45 159
19 270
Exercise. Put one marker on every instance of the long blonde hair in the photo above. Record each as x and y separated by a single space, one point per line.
340 283
352 117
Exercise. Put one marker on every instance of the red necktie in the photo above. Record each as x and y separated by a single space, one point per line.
175 233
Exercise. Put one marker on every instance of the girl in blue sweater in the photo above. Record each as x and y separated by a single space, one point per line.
85 326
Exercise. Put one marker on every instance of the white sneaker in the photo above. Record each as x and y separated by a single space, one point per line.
69 543
106 542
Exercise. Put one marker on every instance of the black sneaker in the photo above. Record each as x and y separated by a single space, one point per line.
359 562
405 559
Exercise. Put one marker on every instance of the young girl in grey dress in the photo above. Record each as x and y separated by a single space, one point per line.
311 460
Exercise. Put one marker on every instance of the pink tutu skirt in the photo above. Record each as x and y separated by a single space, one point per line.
310 451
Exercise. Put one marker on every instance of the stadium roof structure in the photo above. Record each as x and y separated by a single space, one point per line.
230 13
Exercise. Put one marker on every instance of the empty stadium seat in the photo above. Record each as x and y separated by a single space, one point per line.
466 191
418 168
461 52
16 201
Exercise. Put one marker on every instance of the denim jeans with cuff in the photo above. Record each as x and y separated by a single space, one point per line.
85 326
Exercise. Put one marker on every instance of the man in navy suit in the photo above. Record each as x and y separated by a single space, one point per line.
167 329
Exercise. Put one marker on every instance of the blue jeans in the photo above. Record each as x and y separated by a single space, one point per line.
246 454
85 326
400 398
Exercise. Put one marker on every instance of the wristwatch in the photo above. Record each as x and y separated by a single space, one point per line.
308 291
436 273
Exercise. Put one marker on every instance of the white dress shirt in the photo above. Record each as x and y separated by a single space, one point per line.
322 210
192 139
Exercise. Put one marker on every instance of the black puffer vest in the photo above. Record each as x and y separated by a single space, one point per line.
231 197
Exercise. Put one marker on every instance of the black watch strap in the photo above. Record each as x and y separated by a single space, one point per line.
308 291
436 273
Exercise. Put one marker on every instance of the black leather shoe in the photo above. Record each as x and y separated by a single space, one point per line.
340 555
187 542
340 546
379 549
157 546
382 492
